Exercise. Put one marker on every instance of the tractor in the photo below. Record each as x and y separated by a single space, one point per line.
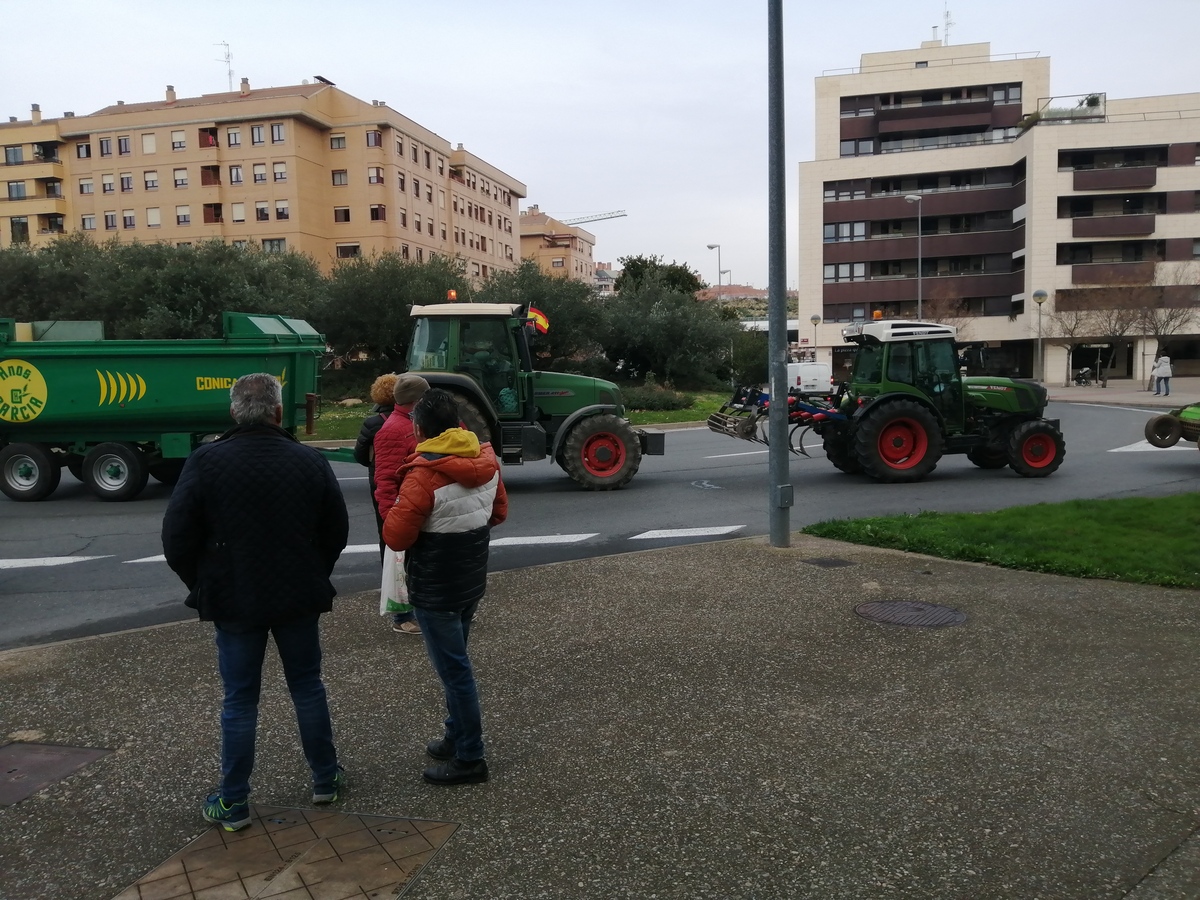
907 403
480 353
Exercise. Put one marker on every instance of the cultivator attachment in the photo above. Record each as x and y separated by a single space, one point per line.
745 416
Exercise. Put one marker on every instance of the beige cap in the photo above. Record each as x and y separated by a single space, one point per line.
409 389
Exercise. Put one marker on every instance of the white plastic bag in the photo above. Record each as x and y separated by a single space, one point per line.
393 593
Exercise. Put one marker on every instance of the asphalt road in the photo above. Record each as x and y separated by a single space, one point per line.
72 565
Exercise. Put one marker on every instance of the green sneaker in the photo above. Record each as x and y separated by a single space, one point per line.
230 816
327 793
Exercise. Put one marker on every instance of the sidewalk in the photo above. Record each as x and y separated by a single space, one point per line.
1123 392
710 720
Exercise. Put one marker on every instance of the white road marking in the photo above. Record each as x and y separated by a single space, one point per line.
746 453
36 561
354 478
1142 446
542 539
145 559
361 548
685 532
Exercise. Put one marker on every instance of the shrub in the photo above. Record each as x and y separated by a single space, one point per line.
654 398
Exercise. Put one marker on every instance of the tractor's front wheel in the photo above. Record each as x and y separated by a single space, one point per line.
1036 449
472 416
28 472
898 441
1164 431
601 453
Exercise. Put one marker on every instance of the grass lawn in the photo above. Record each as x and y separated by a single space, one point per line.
703 404
1143 540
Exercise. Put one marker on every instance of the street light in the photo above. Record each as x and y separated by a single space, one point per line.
729 280
916 198
816 320
717 247
1039 297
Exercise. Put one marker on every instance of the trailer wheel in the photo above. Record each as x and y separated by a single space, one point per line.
898 441
75 467
115 471
28 472
167 471
1164 431
602 453
472 416
839 450
988 457
1036 449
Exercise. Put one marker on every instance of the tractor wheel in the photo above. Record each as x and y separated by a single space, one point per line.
898 441
1036 449
1164 431
988 457
839 450
472 416
115 471
167 471
601 452
28 472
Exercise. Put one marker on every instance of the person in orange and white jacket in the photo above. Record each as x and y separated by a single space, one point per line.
451 495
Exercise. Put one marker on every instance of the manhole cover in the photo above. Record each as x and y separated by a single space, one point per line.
827 562
910 613
27 768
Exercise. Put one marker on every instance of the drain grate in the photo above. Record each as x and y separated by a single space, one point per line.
827 562
27 768
910 613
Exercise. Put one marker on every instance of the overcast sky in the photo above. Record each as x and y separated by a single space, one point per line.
656 107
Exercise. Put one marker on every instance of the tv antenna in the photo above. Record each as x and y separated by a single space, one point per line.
947 22
228 60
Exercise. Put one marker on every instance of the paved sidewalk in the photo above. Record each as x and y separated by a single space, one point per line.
1184 390
711 720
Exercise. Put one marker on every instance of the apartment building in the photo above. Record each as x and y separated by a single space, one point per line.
956 176
305 167
558 248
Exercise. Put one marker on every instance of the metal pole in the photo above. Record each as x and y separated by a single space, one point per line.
919 261
1041 350
778 458
719 275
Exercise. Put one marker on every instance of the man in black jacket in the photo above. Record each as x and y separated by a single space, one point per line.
254 528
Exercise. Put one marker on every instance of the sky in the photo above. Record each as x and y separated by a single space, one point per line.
657 107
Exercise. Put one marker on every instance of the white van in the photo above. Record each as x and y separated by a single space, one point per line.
812 378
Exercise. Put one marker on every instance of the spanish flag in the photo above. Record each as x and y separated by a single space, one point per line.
540 322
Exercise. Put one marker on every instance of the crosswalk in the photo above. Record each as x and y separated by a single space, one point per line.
660 534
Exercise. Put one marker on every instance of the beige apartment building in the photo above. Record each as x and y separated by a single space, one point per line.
968 163
305 167
558 248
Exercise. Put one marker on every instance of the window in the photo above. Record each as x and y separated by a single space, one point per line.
399 147
106 184
443 231
337 142
183 215
416 188
341 214
414 152
280 171
428 160
1196 248
88 223
441 166
378 212
16 190
277 133
261 212
181 179
127 219
420 255
281 209
123 145
428 193
846 272
402 218
178 141
429 227
237 212
148 143
85 185
274 245
417 222
400 181
19 229
260 173
150 180
441 199
233 137
126 182
106 146
235 175
374 139
84 151
845 231
239 245
340 177
857 148
558 262
347 251
153 217
404 251
374 175
256 134
110 220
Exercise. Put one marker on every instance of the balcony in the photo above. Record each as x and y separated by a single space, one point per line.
881 290
960 201
1112 226
45 167
904 246
35 206
1116 178
940 109
1113 273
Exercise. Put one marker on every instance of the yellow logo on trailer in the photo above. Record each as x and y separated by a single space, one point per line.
22 391
120 387
225 382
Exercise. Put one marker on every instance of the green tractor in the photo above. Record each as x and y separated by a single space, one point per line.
480 352
907 404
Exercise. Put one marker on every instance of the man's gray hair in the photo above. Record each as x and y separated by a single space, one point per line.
253 398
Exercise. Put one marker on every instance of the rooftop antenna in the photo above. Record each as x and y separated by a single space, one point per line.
228 60
947 23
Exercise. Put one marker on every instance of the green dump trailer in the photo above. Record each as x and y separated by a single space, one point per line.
116 412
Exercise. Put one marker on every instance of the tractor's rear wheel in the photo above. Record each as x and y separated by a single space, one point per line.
28 472
115 471
1036 449
839 450
601 453
989 457
472 416
1164 431
898 441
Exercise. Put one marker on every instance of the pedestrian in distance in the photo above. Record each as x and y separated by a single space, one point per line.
364 447
254 528
451 496
395 442
1161 372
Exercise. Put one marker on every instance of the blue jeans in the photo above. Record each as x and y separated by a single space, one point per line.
446 635
240 657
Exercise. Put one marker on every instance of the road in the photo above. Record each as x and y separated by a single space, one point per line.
73 566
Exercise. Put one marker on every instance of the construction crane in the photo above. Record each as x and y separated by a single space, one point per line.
615 214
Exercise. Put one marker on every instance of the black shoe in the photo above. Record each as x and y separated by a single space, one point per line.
443 749
456 771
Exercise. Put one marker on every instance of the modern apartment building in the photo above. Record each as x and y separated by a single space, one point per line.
558 248
306 167
967 163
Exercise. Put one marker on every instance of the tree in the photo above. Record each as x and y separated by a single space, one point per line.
1065 328
639 271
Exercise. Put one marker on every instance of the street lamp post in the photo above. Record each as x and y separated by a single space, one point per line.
816 320
717 247
916 198
729 280
1039 297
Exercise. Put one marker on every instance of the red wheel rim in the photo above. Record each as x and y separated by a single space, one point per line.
1038 451
903 443
603 454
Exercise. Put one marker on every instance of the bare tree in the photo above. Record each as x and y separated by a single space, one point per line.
948 309
1066 327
